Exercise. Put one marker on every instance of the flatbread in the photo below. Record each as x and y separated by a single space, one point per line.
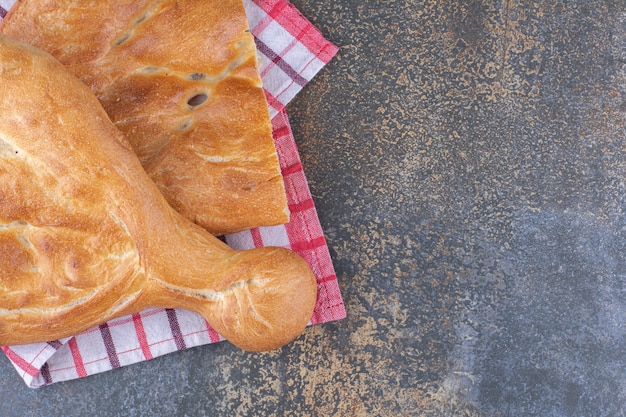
180 79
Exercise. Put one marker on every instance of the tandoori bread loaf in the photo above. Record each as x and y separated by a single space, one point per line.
86 236
179 78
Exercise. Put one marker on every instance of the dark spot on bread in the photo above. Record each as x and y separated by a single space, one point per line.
197 99
121 39
141 18
185 125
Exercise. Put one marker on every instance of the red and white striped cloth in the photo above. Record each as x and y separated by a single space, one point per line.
292 51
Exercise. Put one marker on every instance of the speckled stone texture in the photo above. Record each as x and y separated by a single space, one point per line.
468 164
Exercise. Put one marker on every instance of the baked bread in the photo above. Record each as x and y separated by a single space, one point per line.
86 236
180 80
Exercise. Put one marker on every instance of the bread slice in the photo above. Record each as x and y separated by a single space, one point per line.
180 80
86 236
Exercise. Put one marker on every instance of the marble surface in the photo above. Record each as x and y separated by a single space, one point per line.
467 162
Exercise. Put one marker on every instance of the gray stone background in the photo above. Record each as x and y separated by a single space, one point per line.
467 162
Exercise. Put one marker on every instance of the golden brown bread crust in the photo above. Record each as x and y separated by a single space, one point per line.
86 236
180 80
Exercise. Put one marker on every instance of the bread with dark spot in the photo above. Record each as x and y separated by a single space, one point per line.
180 80
86 236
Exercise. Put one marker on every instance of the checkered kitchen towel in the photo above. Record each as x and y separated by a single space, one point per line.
292 52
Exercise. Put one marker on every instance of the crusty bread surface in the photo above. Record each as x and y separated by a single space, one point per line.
86 236
180 79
